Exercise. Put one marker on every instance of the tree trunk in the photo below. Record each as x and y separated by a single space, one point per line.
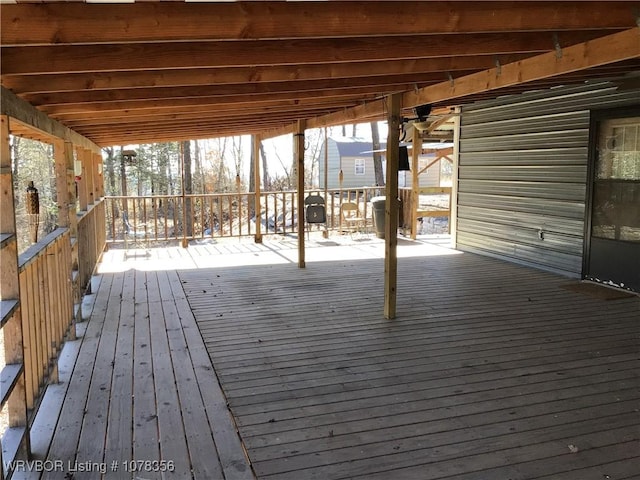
377 154
199 172
265 170
252 166
123 180
188 186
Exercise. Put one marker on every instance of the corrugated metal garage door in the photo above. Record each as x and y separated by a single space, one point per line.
523 174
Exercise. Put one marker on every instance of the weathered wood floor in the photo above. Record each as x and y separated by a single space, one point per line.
490 371
143 401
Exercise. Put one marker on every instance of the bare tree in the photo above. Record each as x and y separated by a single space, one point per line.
188 186
377 154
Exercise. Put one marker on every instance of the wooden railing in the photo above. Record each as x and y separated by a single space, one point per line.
90 241
46 296
413 208
162 218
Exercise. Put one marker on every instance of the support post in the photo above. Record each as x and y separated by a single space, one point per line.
453 197
298 151
62 190
257 199
391 207
10 288
325 234
83 194
416 142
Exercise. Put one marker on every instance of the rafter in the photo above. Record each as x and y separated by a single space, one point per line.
79 23
70 82
361 94
144 56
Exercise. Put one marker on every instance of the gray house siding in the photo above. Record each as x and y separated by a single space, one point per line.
343 152
523 171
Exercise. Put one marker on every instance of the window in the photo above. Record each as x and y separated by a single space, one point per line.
616 192
359 166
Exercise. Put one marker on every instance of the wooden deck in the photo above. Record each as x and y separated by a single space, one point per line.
490 371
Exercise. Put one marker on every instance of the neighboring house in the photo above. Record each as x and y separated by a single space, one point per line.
551 179
354 156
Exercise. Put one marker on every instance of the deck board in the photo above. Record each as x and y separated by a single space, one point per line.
491 370
143 389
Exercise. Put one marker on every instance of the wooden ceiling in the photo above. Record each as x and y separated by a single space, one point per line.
121 73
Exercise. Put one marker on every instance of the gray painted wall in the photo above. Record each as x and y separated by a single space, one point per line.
523 168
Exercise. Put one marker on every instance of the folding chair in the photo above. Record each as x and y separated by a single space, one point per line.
352 219
315 211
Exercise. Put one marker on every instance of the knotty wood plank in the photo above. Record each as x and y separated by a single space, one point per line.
145 416
66 437
172 435
202 449
230 450
119 435
91 445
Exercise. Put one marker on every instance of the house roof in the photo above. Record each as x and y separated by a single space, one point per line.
355 146
120 73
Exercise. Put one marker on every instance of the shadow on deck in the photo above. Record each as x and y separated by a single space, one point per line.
490 371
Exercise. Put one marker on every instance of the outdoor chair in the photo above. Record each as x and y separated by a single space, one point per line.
352 219
315 211
134 238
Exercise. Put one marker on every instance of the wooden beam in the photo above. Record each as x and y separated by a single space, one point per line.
40 60
298 152
383 82
391 207
15 107
220 76
360 94
256 140
207 115
606 50
601 51
54 23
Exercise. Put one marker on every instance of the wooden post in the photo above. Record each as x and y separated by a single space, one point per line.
257 199
10 286
62 191
391 207
325 234
71 192
82 184
453 196
298 151
416 142
88 172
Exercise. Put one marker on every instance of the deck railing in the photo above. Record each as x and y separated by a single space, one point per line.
162 218
91 240
46 296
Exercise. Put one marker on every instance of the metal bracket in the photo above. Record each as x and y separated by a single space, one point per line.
451 81
556 44
498 67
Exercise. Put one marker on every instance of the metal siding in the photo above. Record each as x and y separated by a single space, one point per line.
523 168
